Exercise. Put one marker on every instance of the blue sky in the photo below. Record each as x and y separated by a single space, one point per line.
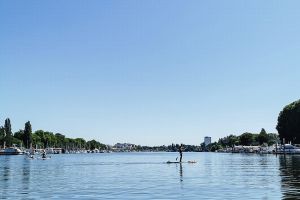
148 72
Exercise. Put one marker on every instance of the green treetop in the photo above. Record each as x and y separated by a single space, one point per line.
288 125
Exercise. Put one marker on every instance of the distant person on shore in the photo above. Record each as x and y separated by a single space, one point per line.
180 152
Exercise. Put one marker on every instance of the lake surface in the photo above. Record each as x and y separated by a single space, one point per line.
146 176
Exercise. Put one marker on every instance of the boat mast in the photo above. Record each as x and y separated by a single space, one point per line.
4 141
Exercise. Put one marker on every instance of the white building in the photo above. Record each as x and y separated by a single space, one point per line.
207 140
124 146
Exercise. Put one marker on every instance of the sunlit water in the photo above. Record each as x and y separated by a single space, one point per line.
146 176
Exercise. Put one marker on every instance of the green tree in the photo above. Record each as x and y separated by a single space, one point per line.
246 139
60 140
19 135
288 125
27 140
213 147
232 140
8 133
262 137
2 135
93 144
69 143
17 141
80 143
273 138
36 141
45 138
51 140
229 141
42 138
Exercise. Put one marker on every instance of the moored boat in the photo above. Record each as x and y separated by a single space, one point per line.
11 151
288 149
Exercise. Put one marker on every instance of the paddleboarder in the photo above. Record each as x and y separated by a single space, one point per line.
44 154
180 152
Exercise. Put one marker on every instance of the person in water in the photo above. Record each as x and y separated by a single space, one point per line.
44 154
180 152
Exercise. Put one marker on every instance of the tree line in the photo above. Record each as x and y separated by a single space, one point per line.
246 139
288 127
43 139
168 148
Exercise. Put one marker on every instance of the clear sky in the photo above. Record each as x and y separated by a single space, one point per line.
148 72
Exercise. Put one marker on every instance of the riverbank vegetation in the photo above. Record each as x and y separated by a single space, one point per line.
168 148
46 139
43 139
288 127
246 139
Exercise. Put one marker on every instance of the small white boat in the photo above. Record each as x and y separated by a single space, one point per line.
289 149
11 151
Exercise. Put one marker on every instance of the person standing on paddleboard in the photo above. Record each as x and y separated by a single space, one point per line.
44 154
180 152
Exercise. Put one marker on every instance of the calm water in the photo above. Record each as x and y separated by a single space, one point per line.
145 176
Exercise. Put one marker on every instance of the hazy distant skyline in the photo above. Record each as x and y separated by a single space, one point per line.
148 72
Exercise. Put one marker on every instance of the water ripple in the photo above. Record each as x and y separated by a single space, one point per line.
147 176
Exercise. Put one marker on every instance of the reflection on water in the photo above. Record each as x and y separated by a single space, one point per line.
180 172
147 176
25 176
290 176
15 176
5 171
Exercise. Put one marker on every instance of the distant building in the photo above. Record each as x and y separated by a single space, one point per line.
207 140
124 146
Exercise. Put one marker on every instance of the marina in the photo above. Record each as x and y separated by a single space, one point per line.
274 149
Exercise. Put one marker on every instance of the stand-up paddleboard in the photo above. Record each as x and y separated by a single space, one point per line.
30 157
47 158
190 161
169 162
